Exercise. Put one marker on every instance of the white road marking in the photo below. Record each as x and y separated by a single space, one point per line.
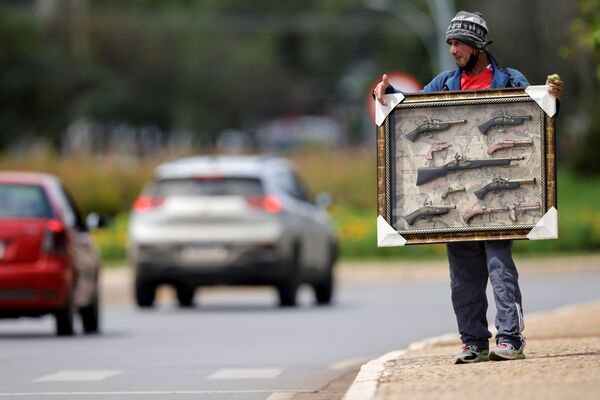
246 373
282 396
350 363
79 375
154 393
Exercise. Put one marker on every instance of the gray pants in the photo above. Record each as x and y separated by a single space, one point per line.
471 263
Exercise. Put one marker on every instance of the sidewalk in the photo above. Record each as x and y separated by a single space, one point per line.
563 362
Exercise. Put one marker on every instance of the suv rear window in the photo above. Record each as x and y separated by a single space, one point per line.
245 187
23 201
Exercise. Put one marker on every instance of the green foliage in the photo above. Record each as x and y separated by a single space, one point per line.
106 185
348 175
586 29
586 36
236 6
585 32
585 158
112 240
357 234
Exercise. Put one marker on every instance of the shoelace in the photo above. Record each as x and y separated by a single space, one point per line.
508 346
471 348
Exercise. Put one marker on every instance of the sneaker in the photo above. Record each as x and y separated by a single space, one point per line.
506 351
472 354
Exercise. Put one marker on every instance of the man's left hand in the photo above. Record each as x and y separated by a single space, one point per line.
555 88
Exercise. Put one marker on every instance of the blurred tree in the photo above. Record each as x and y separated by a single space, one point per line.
191 65
36 81
586 38
208 65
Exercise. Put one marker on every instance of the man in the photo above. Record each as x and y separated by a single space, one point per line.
471 263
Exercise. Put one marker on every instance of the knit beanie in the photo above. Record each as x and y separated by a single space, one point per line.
469 28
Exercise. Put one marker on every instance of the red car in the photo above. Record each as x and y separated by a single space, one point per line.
48 263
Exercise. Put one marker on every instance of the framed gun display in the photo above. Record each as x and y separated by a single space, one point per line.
470 165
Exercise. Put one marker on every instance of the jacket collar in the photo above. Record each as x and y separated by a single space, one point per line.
499 77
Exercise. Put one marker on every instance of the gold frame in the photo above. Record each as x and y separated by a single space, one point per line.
386 185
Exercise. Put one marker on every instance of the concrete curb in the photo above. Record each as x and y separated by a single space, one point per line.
365 384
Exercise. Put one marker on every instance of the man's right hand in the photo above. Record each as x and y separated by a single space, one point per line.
379 90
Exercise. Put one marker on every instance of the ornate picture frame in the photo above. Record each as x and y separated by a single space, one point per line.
469 165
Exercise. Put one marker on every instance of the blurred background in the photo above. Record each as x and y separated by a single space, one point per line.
100 92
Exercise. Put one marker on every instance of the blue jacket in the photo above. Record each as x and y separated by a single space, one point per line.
450 80
501 78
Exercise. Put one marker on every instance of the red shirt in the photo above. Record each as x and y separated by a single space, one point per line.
481 81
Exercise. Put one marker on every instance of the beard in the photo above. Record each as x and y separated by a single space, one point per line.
472 61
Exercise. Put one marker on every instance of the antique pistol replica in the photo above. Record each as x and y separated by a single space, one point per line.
483 211
427 211
517 209
432 125
428 174
508 144
502 120
451 190
513 211
437 147
499 184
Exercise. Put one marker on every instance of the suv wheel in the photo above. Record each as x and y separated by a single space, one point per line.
324 289
185 295
90 315
145 292
288 287
65 318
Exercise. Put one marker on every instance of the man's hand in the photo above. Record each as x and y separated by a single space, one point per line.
555 87
379 90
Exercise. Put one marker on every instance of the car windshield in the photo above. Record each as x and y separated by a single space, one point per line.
23 201
207 186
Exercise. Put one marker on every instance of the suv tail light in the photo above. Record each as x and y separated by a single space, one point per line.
55 237
145 203
270 204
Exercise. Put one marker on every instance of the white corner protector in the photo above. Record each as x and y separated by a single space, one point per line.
381 111
386 235
546 228
545 100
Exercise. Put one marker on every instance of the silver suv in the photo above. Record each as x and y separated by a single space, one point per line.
230 220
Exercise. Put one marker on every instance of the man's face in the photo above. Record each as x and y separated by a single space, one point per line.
461 52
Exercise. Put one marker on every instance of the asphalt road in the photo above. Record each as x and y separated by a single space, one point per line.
236 344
